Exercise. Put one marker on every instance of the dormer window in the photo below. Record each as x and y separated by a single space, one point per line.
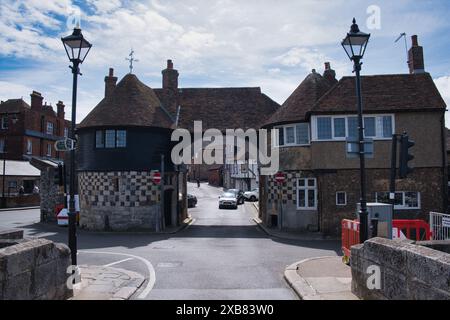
110 139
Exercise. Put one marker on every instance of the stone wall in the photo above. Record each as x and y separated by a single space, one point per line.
407 271
118 201
50 195
33 269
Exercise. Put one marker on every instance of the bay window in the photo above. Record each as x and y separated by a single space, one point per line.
293 135
377 127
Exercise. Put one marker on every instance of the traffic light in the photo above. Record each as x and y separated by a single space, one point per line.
58 178
405 156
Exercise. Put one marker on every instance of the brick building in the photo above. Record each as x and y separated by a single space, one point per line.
322 185
28 131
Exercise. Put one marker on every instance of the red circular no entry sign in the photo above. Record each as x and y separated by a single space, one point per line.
156 178
280 177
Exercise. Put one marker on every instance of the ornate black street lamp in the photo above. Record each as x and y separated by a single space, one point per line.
355 44
77 49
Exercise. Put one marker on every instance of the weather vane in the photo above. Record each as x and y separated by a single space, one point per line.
131 59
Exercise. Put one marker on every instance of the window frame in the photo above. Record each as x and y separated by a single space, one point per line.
379 128
4 122
402 206
29 146
307 189
115 134
283 130
49 150
345 199
50 125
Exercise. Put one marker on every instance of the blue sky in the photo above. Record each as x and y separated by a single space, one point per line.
270 44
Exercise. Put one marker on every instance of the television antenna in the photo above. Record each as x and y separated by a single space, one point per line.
403 35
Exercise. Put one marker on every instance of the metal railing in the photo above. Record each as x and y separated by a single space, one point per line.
440 226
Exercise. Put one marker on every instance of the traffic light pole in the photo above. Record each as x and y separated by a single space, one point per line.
393 171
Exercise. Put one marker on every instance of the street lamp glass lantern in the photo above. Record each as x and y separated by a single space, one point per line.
355 42
77 47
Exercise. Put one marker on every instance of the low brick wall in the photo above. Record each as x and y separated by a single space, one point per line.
407 271
26 200
34 269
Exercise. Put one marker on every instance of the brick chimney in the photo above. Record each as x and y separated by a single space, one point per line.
170 77
110 83
36 101
329 74
60 109
415 57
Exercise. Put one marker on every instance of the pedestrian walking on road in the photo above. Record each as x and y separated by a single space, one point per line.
21 190
198 183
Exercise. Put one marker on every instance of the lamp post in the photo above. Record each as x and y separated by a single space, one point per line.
5 143
355 44
77 49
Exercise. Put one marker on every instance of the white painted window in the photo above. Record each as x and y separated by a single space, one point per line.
341 198
403 199
66 132
29 146
49 150
121 138
49 128
336 128
307 194
292 135
4 122
110 138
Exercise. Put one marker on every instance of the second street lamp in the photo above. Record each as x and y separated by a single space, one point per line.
355 44
77 49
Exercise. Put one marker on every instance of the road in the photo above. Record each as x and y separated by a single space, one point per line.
221 255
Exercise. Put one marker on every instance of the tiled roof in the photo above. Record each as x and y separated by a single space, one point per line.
220 108
132 103
13 106
301 101
381 93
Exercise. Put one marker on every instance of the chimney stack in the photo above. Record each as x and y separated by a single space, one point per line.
415 57
36 101
110 83
170 77
329 74
60 109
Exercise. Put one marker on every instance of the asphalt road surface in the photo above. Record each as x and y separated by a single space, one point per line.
221 255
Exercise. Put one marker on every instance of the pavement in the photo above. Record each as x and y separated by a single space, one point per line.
106 283
320 278
283 234
222 254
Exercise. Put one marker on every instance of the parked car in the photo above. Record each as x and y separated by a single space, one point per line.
192 200
228 199
252 195
239 195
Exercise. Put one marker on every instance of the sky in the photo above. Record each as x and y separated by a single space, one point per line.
213 43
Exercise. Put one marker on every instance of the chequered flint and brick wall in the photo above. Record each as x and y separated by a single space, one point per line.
117 189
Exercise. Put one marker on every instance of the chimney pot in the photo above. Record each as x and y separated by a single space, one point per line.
170 77
415 57
110 83
327 66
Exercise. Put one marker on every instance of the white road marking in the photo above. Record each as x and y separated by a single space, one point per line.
117 262
151 270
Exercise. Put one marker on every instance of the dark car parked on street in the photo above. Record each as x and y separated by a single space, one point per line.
239 195
192 200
